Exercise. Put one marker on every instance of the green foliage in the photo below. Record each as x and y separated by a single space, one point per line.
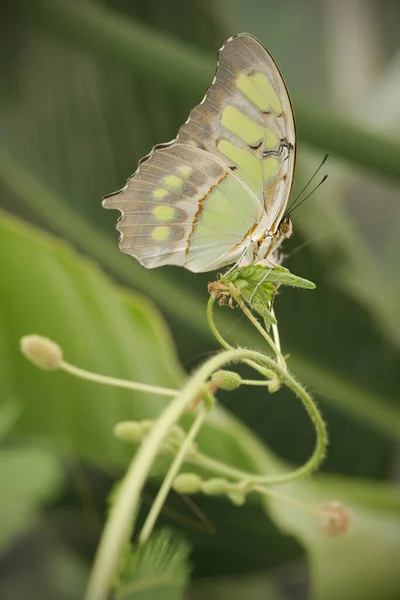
157 569
98 327
30 477
258 286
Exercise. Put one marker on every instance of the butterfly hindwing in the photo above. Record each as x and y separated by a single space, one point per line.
171 210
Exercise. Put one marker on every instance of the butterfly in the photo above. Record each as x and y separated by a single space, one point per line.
217 194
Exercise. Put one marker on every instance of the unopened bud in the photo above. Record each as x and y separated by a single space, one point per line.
237 498
187 483
132 431
42 352
226 380
216 487
273 385
176 435
335 518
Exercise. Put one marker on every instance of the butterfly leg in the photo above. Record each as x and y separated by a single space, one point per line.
244 259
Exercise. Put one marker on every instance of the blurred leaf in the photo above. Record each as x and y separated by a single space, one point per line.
186 69
40 568
362 564
156 570
29 478
49 291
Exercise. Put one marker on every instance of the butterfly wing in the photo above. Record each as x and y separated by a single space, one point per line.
184 207
196 201
246 119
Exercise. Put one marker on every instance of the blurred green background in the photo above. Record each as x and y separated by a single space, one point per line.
87 89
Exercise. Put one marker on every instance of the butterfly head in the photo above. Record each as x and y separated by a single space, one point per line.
286 227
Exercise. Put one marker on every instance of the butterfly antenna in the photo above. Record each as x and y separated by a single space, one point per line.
290 208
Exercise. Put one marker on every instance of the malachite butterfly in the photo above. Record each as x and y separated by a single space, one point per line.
217 194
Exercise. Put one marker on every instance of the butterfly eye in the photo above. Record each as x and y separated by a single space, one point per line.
286 227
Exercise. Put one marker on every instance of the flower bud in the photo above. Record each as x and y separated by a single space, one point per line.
226 380
273 385
187 483
42 352
132 431
216 487
237 498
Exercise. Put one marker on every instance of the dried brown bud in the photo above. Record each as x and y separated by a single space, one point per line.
335 518
221 292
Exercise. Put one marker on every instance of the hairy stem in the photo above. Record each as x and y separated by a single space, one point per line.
113 381
172 473
120 524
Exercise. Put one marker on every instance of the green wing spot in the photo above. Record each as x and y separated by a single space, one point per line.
267 90
161 233
248 164
173 182
259 91
163 212
270 167
242 125
160 193
185 170
271 140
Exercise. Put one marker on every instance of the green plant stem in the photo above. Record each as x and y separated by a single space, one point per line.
281 361
267 491
256 382
377 411
275 331
113 381
184 68
309 467
119 526
210 318
172 473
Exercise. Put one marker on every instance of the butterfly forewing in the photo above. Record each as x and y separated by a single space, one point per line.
246 119
196 201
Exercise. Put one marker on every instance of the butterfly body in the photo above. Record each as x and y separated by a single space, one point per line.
217 194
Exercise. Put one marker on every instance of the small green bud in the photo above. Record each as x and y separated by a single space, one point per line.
216 487
132 431
187 483
273 385
42 352
176 435
237 498
226 380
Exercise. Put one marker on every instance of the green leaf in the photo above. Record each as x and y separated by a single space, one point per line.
255 274
29 478
156 570
49 290
361 564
